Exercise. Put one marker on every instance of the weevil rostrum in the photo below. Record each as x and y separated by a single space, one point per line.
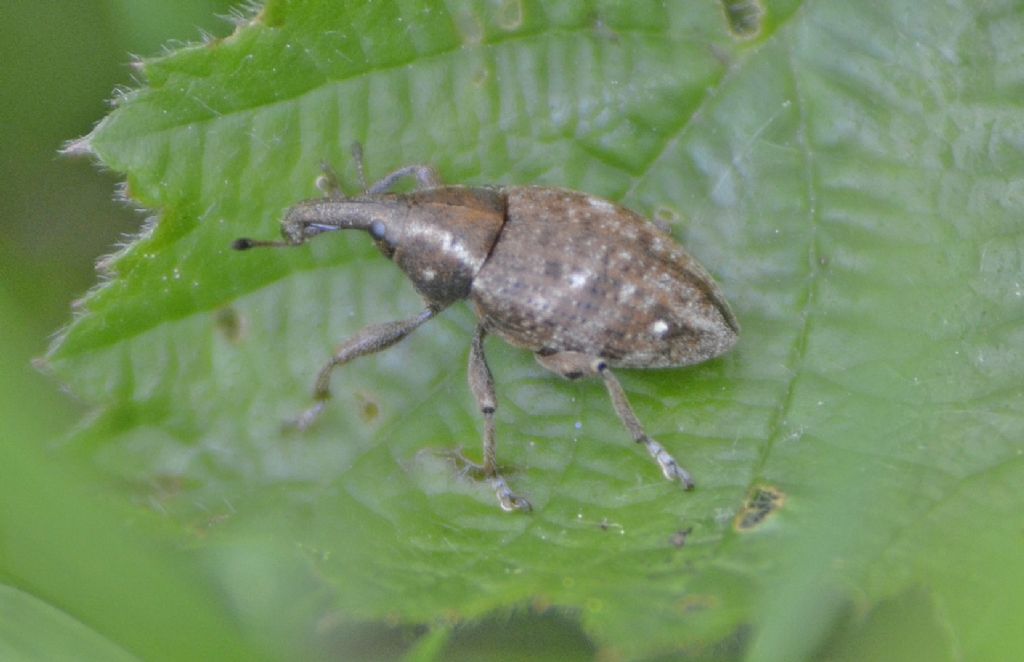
585 284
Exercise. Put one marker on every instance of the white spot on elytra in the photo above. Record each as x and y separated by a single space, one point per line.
659 328
578 279
601 205
428 274
626 291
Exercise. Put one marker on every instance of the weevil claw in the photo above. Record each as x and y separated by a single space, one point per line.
305 420
669 467
509 501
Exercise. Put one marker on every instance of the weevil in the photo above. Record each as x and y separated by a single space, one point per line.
585 284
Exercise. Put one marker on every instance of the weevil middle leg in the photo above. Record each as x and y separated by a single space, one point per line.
481 383
328 182
574 365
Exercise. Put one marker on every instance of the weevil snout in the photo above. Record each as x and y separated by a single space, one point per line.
308 219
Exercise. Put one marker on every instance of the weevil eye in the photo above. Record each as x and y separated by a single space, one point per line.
377 230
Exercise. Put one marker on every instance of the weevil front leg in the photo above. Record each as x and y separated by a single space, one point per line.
370 340
481 383
426 177
574 365
328 183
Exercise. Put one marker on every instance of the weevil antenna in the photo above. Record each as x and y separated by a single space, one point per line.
244 244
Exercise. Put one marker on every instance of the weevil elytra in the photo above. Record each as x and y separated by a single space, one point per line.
585 284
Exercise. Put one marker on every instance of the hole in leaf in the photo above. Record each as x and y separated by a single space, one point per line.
762 502
744 17
230 324
368 408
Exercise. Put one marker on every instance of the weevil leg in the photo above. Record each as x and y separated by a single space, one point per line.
328 182
426 177
481 383
372 339
574 365
669 467
357 159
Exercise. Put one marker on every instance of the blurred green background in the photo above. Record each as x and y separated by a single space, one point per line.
63 61
69 565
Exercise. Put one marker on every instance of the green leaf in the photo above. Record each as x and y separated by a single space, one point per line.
850 172
32 630
79 577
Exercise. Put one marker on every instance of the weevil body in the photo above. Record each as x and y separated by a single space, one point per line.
585 284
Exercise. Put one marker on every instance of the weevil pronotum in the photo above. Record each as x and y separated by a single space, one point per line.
585 284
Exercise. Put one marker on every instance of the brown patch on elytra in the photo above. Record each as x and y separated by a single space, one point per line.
762 501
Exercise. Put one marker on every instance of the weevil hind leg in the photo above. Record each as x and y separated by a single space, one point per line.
574 365
481 383
370 340
669 467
